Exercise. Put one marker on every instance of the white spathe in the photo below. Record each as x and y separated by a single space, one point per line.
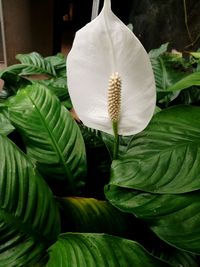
105 46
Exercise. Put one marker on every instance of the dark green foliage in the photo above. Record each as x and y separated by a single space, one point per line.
99 250
29 216
139 210
174 72
48 129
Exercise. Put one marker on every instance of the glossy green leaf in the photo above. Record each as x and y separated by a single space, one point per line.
29 218
12 80
154 53
90 215
182 258
165 71
52 137
13 70
34 63
174 218
175 257
190 80
168 68
99 250
5 125
165 157
58 86
58 61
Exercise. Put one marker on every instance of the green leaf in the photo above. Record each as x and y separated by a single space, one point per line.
90 215
154 53
5 125
58 86
174 218
189 96
13 69
195 54
166 74
96 216
34 63
3 95
168 68
165 157
12 80
57 61
190 80
157 110
52 137
99 250
29 216
180 258
172 255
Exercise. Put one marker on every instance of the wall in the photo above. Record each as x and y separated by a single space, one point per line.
28 26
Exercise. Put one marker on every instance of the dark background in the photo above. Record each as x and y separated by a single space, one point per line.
154 21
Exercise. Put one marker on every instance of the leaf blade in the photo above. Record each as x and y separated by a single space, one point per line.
5 125
190 80
174 218
34 63
27 226
99 250
49 130
164 157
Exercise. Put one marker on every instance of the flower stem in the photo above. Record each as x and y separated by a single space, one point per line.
116 140
186 21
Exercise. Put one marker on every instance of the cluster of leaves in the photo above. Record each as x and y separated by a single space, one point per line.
177 76
64 202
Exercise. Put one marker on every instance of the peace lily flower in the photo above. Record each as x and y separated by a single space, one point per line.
110 78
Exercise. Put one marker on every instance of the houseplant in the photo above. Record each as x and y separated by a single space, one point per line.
61 205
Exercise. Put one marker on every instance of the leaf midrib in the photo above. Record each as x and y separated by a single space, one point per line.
55 145
40 69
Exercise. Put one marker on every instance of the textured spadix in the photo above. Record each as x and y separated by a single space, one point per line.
101 48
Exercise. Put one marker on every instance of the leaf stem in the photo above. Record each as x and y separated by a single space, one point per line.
186 20
116 140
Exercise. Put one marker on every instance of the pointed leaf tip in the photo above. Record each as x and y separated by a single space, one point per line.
105 46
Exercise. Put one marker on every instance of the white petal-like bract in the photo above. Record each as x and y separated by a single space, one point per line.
103 47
